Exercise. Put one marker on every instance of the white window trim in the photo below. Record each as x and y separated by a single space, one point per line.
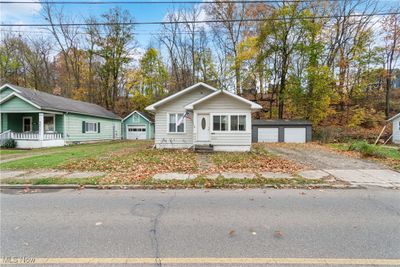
54 121
184 122
30 123
245 123
248 125
212 125
91 132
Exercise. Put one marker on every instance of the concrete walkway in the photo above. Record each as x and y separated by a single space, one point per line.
41 174
363 177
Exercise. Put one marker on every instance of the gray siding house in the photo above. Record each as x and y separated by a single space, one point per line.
37 119
202 115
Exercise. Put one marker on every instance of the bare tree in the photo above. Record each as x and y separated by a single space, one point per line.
391 35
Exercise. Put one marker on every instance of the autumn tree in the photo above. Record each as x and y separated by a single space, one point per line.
114 41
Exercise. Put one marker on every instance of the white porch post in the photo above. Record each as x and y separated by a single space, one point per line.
41 126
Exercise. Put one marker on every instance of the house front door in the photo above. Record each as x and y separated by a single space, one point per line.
203 127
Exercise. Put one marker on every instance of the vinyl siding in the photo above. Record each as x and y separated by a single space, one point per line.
16 104
4 122
59 123
223 104
396 131
5 92
73 128
163 139
136 119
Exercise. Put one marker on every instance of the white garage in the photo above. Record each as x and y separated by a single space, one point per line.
288 131
268 135
295 135
135 132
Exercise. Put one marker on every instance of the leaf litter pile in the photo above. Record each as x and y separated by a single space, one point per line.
258 160
133 164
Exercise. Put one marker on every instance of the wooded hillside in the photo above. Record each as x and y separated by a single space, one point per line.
332 62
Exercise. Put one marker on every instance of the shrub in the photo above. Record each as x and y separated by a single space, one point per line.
366 149
10 143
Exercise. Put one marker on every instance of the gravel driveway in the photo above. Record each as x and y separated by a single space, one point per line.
345 168
320 158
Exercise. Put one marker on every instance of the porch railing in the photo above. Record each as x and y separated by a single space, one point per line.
4 136
25 136
52 136
29 136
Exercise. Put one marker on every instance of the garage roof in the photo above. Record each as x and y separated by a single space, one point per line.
281 122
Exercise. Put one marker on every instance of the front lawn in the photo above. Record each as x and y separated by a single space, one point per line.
384 154
258 160
129 162
12 151
52 158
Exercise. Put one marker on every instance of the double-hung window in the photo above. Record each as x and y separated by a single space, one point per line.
49 122
90 127
238 122
232 123
176 123
220 123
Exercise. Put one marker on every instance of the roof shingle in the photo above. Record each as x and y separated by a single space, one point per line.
57 103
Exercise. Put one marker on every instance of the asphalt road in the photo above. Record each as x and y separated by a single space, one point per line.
203 228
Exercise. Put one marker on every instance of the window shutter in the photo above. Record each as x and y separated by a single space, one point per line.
98 127
83 126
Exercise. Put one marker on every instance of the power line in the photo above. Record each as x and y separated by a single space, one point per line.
192 21
162 2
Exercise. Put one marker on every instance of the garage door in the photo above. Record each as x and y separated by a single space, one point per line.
136 132
295 135
268 135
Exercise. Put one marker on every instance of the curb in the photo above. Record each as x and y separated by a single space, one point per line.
149 187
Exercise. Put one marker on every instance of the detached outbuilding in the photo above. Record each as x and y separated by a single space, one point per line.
288 131
138 126
395 120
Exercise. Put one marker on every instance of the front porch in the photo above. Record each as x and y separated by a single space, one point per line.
33 130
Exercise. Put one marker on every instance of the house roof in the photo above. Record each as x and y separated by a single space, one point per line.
51 102
252 104
394 117
144 115
281 122
184 91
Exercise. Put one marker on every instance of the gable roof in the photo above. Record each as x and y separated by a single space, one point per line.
144 115
394 117
201 100
46 101
184 91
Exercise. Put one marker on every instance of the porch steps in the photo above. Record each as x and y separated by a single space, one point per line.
203 148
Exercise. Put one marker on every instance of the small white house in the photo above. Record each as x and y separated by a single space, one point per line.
395 120
203 116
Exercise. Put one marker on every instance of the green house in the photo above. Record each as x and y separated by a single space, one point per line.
138 125
38 119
